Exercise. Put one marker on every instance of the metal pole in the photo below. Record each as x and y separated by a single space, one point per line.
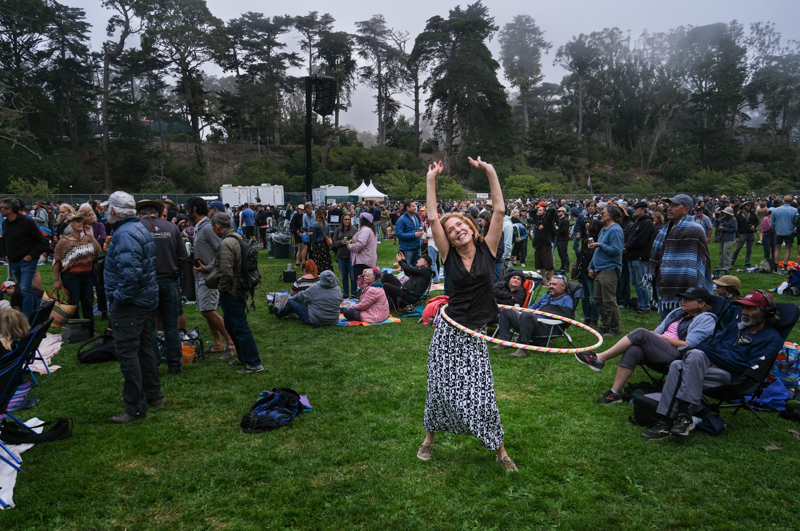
309 173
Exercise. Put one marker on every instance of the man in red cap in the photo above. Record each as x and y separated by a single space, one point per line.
738 347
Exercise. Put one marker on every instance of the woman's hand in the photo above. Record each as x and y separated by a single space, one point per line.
435 169
485 166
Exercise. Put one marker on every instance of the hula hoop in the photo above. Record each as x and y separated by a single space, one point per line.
531 347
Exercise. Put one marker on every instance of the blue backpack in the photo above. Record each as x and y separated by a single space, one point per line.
274 410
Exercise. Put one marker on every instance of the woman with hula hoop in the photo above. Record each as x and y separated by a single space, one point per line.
461 396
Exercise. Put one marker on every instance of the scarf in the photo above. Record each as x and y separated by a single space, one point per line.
679 260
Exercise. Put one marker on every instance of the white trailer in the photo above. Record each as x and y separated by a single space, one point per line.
319 195
265 194
234 195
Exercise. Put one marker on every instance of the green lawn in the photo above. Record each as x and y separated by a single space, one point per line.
351 463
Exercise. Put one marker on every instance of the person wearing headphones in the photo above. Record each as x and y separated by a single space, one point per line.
718 362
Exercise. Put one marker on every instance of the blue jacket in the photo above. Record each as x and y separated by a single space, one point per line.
737 350
783 220
130 270
609 254
405 228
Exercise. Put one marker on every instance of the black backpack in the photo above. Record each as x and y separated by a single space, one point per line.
98 349
273 411
13 433
249 277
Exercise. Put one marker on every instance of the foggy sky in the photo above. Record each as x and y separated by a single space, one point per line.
560 20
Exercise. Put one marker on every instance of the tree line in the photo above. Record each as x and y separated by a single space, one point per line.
716 106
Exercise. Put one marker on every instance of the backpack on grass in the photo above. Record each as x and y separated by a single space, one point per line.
273 411
97 349
13 433
249 277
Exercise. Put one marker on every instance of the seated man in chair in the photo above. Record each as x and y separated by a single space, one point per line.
719 362
556 301
414 289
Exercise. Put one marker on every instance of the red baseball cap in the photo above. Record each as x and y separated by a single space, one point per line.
756 298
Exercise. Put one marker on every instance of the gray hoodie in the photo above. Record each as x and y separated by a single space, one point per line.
324 300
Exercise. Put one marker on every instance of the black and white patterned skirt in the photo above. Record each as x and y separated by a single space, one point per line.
461 387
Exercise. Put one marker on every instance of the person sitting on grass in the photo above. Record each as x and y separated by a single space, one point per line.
719 362
309 278
414 288
555 301
318 305
373 306
730 287
511 291
688 326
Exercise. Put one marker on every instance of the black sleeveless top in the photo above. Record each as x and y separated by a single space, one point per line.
471 302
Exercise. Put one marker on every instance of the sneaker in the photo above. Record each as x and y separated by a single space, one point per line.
214 349
520 353
251 370
175 370
522 265
682 425
235 363
500 347
126 417
659 431
590 360
508 464
610 397
425 451
156 403
230 352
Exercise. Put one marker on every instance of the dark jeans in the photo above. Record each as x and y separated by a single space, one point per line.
349 285
234 311
589 309
412 255
394 291
744 239
168 309
563 254
624 286
80 291
768 241
352 315
292 306
100 290
23 272
134 352
525 323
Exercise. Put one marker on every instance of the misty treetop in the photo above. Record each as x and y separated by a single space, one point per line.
715 107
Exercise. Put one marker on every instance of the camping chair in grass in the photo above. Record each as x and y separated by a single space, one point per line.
719 305
753 381
35 353
12 373
530 285
40 316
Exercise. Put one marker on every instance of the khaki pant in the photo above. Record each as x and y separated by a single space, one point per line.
605 299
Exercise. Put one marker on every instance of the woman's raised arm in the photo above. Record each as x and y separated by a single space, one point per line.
442 243
498 206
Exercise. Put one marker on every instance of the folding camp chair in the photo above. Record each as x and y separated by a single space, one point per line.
35 353
11 375
40 316
556 327
753 381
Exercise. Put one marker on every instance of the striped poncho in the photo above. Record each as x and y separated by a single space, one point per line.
679 260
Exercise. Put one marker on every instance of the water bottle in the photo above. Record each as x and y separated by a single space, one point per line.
288 267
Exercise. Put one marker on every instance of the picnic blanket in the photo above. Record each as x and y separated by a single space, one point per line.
345 322
417 313
19 398
8 476
49 347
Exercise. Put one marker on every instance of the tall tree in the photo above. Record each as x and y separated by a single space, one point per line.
183 30
311 27
580 59
336 55
412 65
466 97
521 45
374 47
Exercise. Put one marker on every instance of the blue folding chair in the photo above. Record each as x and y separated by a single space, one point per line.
41 316
12 373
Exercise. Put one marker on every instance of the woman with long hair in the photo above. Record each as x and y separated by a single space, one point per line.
320 252
341 237
13 326
461 395
364 246
73 263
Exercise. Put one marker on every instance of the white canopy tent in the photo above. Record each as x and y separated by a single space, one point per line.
360 189
371 193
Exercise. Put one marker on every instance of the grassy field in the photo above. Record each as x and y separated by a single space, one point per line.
351 463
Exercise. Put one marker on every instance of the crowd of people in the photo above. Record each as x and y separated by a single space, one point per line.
143 259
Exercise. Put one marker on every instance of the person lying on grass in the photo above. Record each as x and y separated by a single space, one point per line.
688 326
373 306
318 305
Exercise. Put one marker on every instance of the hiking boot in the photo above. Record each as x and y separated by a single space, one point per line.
425 451
156 403
682 425
590 360
500 347
174 370
230 352
126 417
214 349
508 464
587 322
235 363
603 330
610 397
251 370
659 431
520 353
642 312
611 333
